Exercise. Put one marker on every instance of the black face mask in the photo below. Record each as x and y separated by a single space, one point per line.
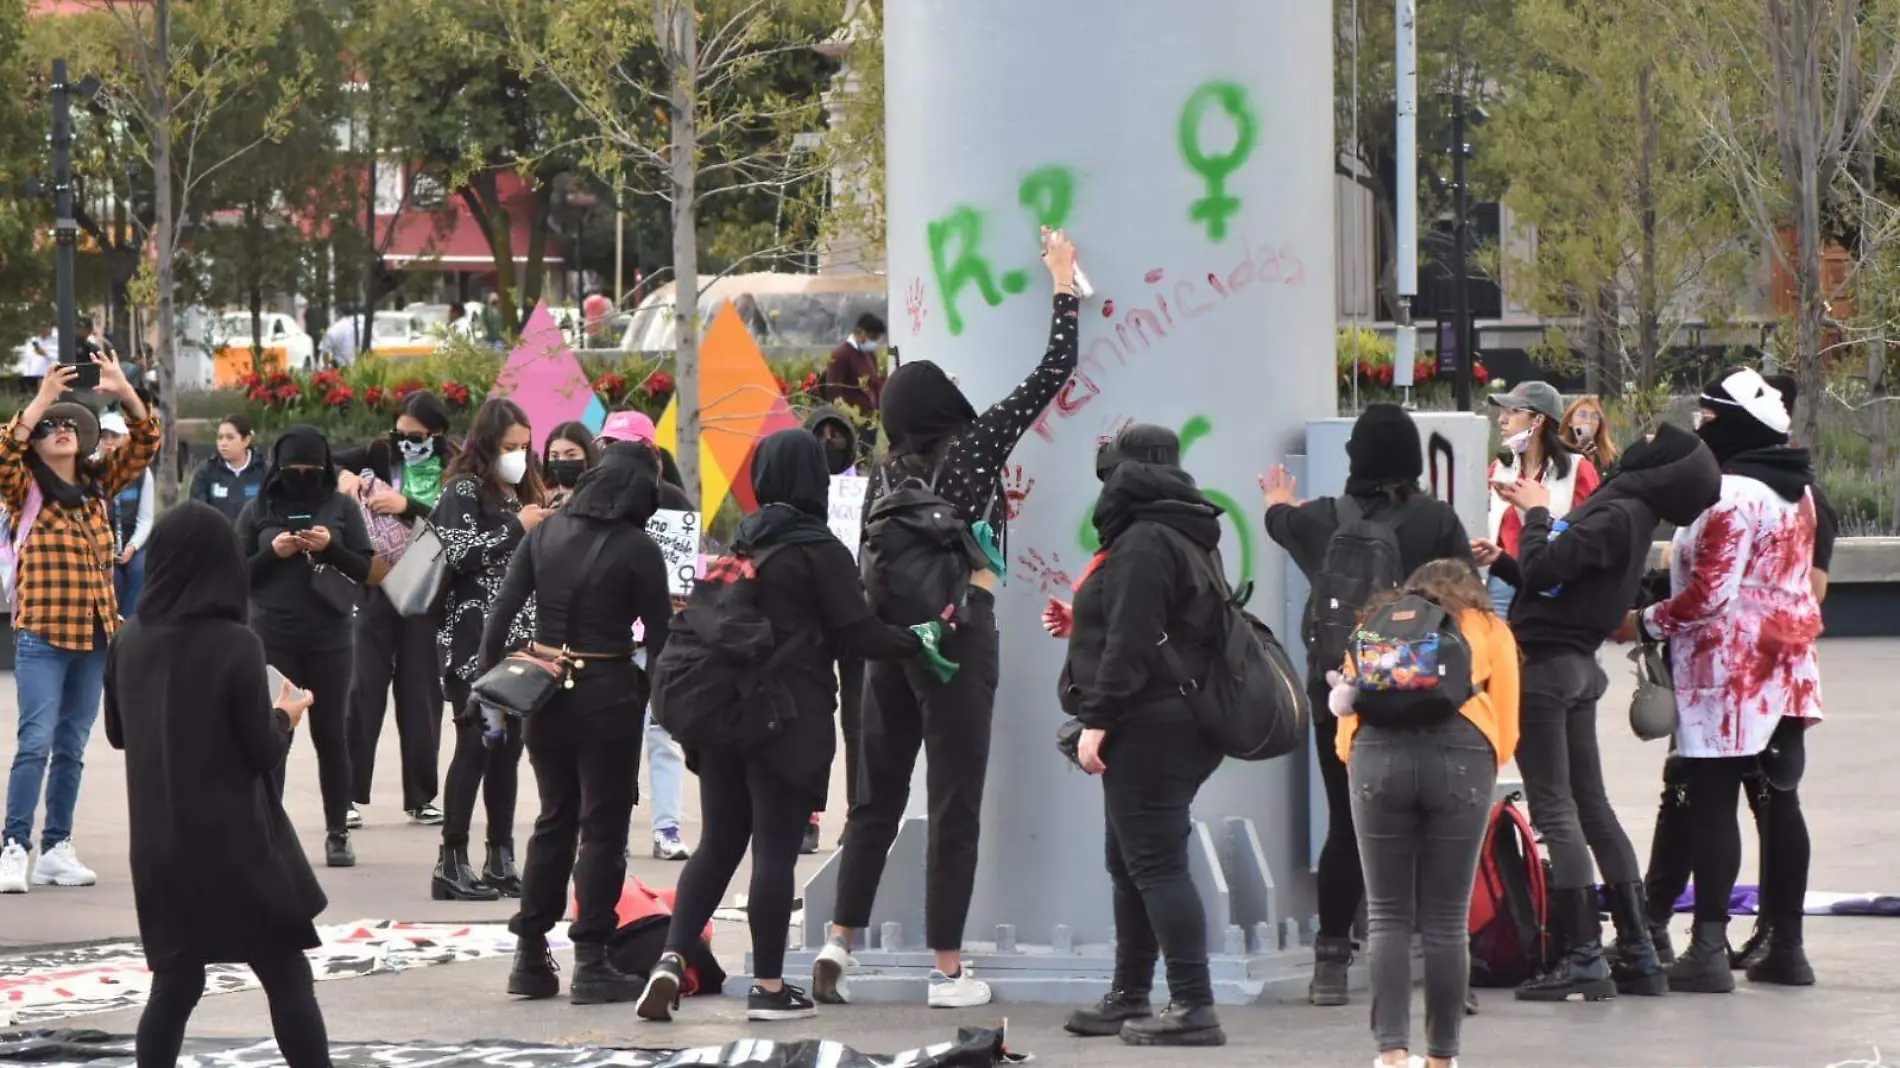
302 482
837 454
566 473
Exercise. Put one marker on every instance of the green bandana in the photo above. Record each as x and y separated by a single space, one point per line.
422 483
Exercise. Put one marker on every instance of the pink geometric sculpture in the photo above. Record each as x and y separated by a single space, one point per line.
545 377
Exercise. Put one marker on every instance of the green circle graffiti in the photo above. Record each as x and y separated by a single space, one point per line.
1192 431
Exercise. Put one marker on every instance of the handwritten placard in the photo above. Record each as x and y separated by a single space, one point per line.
847 508
677 534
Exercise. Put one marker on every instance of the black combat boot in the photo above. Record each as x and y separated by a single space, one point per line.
597 981
1581 969
1704 968
1633 961
535 975
1782 962
1105 1017
1177 1025
1332 957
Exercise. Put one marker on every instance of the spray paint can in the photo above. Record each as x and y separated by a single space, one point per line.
1083 289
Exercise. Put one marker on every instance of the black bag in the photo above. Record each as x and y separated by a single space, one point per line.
717 681
525 681
1251 705
918 554
1412 665
1362 559
334 588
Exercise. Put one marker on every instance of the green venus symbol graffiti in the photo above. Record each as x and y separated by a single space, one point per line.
1048 193
1192 431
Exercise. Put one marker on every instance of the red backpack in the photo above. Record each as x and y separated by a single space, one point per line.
1510 902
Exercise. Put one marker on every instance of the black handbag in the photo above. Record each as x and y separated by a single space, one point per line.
525 681
341 592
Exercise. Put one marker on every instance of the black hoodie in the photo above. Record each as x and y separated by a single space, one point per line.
1577 576
285 611
1147 583
841 453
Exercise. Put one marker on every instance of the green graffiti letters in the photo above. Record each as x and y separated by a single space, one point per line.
1192 431
1214 209
963 229
1049 194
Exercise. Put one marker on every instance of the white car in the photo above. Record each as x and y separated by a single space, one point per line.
280 332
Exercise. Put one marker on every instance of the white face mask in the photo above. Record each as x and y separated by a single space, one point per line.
415 452
512 467
1521 440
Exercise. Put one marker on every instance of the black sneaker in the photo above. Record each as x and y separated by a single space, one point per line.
786 1003
662 994
1104 1019
336 850
810 844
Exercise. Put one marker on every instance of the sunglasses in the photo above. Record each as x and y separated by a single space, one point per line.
49 427
413 439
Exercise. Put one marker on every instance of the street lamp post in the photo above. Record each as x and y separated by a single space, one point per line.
65 224
1461 252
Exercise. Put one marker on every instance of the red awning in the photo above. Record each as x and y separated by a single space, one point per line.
452 241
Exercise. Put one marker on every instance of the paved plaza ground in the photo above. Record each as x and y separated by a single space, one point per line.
1851 796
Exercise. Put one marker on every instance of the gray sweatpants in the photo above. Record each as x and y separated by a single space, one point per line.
1420 800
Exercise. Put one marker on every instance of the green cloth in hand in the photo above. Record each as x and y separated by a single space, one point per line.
931 634
986 540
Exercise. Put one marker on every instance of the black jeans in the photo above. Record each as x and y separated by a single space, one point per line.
906 707
1716 838
392 648
1154 771
326 674
1341 881
743 801
1423 798
295 1018
585 767
497 772
1563 771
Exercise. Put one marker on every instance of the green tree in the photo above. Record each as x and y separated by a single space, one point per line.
685 100
1599 146
25 264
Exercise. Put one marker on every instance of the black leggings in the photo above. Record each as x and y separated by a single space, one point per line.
326 673
743 801
1342 882
1672 846
1716 848
294 1016
496 771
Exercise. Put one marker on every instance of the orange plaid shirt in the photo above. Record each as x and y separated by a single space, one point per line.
64 571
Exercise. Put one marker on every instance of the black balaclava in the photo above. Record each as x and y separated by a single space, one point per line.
1749 414
1383 450
194 569
298 489
921 409
624 487
793 486
1138 443
841 449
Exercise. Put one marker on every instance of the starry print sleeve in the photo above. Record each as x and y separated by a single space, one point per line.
996 431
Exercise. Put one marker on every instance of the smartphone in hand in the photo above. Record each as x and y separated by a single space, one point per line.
276 681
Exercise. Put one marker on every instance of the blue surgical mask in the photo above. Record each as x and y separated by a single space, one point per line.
867 345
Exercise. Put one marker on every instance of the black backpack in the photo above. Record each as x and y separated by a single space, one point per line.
918 554
1362 559
1250 705
716 683
1412 665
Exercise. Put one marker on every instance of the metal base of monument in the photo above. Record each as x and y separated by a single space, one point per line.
1257 955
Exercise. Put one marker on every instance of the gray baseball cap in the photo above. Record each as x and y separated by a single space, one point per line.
1539 397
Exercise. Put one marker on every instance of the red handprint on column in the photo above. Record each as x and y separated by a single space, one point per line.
914 303
1016 489
1046 573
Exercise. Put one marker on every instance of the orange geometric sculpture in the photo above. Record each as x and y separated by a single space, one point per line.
739 403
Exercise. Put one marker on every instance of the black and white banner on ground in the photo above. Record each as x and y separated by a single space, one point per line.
973 1048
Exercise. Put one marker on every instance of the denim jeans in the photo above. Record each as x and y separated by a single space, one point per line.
59 694
1502 594
128 580
1420 800
666 771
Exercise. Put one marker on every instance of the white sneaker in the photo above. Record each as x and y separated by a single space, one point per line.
60 866
667 845
966 991
829 972
13 866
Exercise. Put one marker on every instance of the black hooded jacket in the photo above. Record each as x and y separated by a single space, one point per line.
590 607
841 452
811 594
217 871
1578 576
1149 582
285 611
